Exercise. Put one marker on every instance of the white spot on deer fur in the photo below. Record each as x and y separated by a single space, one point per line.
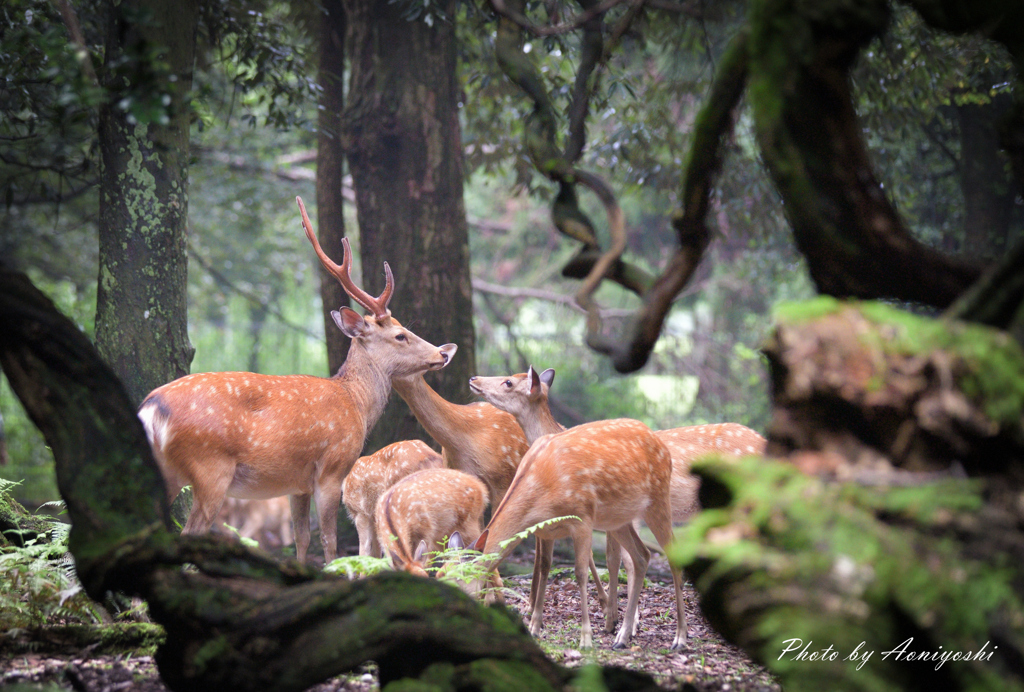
209 409
751 449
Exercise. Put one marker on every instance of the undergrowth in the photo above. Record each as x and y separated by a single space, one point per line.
38 585
464 568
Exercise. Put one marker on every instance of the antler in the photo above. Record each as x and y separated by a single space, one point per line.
377 306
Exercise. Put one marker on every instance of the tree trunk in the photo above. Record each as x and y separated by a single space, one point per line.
988 192
238 619
330 158
141 306
404 150
855 243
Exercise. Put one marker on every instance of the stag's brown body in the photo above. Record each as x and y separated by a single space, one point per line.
249 435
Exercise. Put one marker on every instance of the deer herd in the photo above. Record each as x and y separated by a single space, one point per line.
246 436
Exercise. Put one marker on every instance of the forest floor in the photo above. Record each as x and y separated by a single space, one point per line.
708 662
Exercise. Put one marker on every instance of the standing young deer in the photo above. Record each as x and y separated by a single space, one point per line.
525 397
267 521
417 514
247 435
372 475
475 438
606 474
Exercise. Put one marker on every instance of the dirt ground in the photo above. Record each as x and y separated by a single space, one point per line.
708 663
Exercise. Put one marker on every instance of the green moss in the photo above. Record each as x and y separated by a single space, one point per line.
796 312
992 372
211 650
590 679
486 675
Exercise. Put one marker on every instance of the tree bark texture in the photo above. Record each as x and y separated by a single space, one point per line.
988 192
141 305
404 150
239 619
891 512
330 159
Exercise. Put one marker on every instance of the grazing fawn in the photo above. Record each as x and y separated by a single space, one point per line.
475 438
255 436
417 514
267 521
372 475
693 441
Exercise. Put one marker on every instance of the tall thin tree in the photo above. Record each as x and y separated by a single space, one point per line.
330 157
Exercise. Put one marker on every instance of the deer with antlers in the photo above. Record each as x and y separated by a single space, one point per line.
417 514
249 435
605 474
372 475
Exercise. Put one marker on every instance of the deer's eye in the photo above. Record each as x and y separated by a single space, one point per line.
400 337
508 383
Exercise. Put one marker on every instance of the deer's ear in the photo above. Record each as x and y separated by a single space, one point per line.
534 382
349 322
455 541
481 542
396 561
548 376
420 550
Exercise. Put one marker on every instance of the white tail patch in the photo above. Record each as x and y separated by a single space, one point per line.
157 425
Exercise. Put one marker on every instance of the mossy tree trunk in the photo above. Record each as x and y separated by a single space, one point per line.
855 242
888 518
239 620
141 307
404 150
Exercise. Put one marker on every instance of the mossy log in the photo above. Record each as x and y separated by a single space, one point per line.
894 514
236 618
105 639
862 388
18 525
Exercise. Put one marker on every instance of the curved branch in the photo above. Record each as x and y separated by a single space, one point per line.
617 229
591 54
855 242
516 16
714 123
